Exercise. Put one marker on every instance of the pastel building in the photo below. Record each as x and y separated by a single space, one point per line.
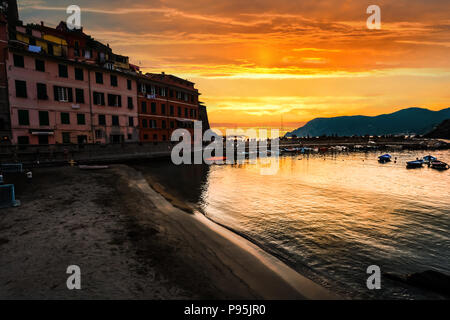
61 86
114 106
166 103
65 87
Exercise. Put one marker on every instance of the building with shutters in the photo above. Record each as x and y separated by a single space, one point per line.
61 86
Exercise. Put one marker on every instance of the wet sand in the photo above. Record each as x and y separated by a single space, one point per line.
130 243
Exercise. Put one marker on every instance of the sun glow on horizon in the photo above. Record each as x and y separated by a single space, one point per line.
280 62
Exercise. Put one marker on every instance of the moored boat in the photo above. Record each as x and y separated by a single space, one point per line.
414 164
384 158
429 158
439 165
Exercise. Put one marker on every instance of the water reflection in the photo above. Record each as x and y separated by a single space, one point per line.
331 216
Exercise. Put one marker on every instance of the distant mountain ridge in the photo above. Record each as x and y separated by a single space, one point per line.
407 121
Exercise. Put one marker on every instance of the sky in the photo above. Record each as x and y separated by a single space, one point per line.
261 63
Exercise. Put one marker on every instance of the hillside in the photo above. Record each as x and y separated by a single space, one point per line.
441 131
406 121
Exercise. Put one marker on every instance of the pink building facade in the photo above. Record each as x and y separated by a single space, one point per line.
60 101
47 108
114 107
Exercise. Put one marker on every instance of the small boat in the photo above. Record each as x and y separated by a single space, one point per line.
414 164
291 150
384 158
429 158
439 165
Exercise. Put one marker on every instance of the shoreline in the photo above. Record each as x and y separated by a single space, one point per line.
130 243
268 276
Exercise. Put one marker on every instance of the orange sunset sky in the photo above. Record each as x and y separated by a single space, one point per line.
263 63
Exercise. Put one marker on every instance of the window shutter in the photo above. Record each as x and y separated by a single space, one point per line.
70 94
55 91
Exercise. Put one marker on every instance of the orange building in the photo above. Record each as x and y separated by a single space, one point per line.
165 103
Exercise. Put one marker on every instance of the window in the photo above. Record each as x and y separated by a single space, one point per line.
153 107
43 118
179 111
98 134
23 140
113 80
39 65
172 125
145 136
43 139
79 95
164 137
63 94
33 41
144 123
81 139
153 124
179 95
171 93
163 124
163 92
24 118
186 112
130 103
18 61
50 49
21 89
99 77
65 118
114 100
81 119
115 121
131 121
195 113
79 74
62 71
41 91
101 120
163 108
171 110
129 136
129 84
155 137
99 98
144 107
66 137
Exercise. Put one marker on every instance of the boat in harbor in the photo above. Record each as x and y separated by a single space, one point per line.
291 150
384 158
414 164
439 165
429 158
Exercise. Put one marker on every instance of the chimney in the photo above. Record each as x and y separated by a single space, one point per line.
13 12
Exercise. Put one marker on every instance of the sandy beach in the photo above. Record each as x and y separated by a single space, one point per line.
130 243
